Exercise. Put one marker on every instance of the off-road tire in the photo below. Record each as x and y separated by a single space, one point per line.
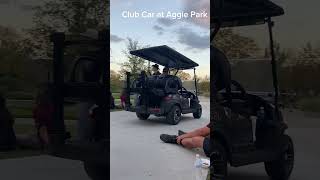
219 164
281 168
174 115
142 116
96 171
198 113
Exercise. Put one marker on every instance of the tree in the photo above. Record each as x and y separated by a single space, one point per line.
134 64
115 82
235 45
308 51
182 75
74 17
15 65
282 55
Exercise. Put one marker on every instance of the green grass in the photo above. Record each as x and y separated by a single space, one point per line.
310 104
20 95
23 109
28 129
116 95
19 153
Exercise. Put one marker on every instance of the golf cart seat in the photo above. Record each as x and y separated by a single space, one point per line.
221 69
238 101
166 84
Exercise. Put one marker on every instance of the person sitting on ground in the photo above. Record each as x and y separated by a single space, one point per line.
7 134
155 70
198 138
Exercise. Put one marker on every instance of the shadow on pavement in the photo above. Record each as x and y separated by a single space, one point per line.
158 120
246 176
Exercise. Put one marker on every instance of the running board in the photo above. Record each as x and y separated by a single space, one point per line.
95 152
252 157
187 111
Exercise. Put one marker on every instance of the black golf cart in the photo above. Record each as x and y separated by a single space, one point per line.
94 153
162 95
233 108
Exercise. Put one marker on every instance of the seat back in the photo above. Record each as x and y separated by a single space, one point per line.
221 70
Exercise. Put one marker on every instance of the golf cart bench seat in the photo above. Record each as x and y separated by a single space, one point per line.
161 86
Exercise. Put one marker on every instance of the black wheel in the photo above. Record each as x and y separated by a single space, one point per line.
281 168
219 164
198 114
143 116
96 171
174 116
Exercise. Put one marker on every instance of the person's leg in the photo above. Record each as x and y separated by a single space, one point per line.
84 131
207 146
43 133
194 142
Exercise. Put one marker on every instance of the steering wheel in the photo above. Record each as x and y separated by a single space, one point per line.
239 87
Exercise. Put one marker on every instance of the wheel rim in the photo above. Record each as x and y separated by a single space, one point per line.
218 166
177 115
200 111
288 158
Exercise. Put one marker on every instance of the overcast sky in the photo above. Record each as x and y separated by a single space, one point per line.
189 36
299 25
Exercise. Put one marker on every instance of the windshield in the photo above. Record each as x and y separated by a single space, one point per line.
247 49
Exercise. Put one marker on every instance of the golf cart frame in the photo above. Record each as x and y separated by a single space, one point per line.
171 102
95 155
232 136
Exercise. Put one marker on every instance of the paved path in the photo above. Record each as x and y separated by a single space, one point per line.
137 153
41 168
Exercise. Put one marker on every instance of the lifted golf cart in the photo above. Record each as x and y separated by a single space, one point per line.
162 95
233 108
94 154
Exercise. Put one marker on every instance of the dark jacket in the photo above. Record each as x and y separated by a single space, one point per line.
156 73
7 134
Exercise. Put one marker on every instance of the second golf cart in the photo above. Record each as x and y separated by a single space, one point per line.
162 95
234 140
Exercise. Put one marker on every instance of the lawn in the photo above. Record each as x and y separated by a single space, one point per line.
23 109
26 128
29 129
310 104
19 153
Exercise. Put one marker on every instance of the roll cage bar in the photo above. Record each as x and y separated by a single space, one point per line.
270 25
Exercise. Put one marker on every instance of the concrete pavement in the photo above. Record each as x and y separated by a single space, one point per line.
41 168
137 153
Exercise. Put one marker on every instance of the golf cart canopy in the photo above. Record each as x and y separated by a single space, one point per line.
165 56
229 13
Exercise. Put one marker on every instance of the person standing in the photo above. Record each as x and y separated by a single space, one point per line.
7 135
42 115
155 70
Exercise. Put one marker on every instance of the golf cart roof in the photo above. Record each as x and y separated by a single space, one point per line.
165 56
231 13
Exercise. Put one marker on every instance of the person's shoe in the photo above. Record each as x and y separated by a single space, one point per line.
169 138
181 133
